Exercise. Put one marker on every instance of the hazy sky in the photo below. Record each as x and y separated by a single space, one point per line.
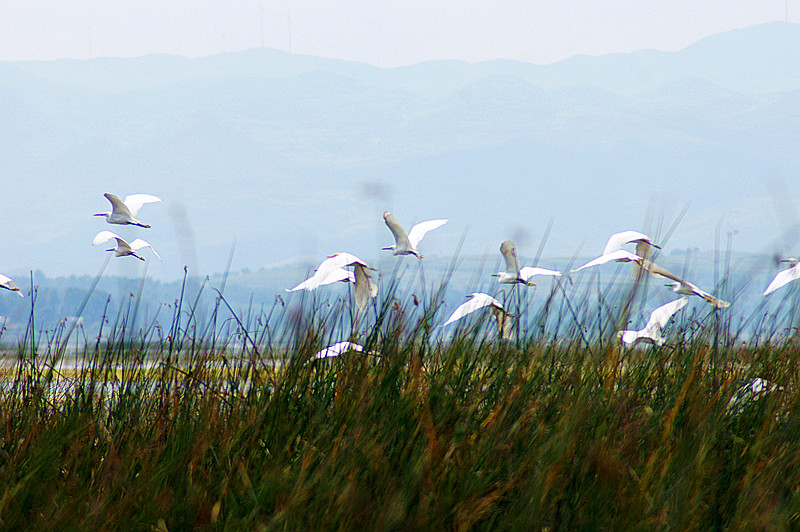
381 33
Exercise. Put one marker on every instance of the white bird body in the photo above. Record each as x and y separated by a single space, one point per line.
8 284
337 275
336 349
123 248
681 286
617 240
655 325
619 255
406 243
478 301
124 212
784 277
513 273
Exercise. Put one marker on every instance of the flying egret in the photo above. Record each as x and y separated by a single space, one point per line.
513 273
124 212
8 284
364 287
339 274
123 248
479 300
406 244
681 286
658 320
619 255
337 349
785 277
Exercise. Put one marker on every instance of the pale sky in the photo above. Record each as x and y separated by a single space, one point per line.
381 33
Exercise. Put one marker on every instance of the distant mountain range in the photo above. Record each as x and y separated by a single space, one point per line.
294 157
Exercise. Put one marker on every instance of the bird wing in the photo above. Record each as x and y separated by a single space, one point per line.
784 277
337 349
476 301
103 236
7 283
419 230
509 252
399 234
619 255
617 240
661 316
118 208
138 244
330 265
529 271
364 287
134 202
657 271
339 274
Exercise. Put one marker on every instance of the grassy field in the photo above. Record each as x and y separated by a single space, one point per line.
228 425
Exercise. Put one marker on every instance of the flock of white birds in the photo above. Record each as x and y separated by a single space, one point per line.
335 269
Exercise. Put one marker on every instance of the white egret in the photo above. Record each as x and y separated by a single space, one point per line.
364 287
513 273
681 286
337 349
123 248
784 277
124 212
658 320
406 244
337 275
478 301
8 284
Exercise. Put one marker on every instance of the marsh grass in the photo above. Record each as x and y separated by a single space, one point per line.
221 422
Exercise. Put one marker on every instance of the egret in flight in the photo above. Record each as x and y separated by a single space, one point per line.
785 277
124 212
123 248
406 244
8 284
478 301
614 251
681 286
513 273
658 320
330 271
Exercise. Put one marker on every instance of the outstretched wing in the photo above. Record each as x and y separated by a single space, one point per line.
340 274
134 202
661 316
419 230
138 244
619 255
477 301
118 208
364 287
337 349
399 234
783 278
617 240
529 271
105 236
509 252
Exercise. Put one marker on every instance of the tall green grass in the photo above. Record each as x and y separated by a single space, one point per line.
221 421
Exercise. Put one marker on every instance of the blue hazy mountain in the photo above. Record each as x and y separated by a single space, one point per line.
294 157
